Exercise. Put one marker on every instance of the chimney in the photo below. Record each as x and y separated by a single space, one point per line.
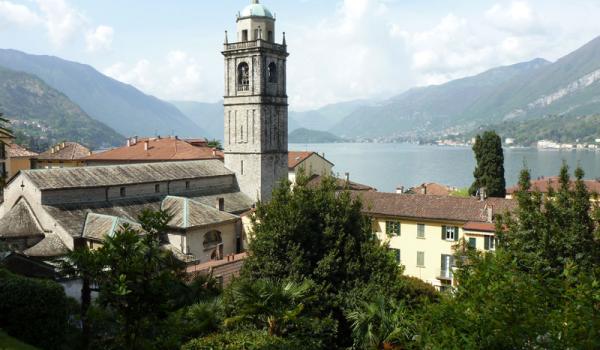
220 204
424 189
128 142
482 194
135 140
214 152
347 177
400 190
490 214
146 145
62 145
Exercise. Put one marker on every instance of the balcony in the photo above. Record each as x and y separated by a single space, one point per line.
445 275
253 44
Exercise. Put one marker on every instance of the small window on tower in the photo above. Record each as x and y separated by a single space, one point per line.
243 77
270 36
272 73
244 35
242 167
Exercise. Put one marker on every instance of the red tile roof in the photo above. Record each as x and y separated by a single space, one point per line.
157 149
433 189
433 207
16 151
65 151
295 158
479 226
342 184
543 184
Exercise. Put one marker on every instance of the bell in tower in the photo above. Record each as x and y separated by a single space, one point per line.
256 108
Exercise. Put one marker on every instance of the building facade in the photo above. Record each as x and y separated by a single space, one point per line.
424 231
255 101
62 155
310 163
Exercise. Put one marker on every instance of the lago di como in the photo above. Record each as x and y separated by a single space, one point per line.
299 175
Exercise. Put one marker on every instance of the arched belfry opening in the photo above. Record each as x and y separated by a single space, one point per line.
272 73
243 77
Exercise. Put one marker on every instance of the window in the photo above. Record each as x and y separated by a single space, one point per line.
123 191
272 73
244 35
420 259
187 185
255 34
446 266
450 233
397 255
157 188
392 228
270 36
243 77
489 243
242 167
473 242
421 231
2 151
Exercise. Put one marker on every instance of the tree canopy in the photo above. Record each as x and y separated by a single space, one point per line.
489 172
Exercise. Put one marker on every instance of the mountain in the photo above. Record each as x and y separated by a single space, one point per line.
42 116
570 86
326 117
120 106
208 116
432 108
313 136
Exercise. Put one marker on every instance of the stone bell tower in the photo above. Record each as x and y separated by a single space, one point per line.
256 107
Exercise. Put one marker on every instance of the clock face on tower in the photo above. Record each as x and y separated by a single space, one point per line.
255 101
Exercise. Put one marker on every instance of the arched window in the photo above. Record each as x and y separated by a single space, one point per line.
272 73
243 77
212 239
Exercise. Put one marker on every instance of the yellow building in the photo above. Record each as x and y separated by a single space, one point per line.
62 155
312 163
18 158
5 140
424 230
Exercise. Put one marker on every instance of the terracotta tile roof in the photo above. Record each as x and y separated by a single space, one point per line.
432 189
157 149
543 184
479 226
16 151
65 151
433 207
295 158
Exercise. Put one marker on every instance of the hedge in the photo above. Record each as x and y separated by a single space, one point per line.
33 310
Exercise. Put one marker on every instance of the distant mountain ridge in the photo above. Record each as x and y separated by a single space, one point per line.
118 105
568 87
42 116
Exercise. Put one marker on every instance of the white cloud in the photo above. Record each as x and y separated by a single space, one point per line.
100 39
18 14
62 21
178 77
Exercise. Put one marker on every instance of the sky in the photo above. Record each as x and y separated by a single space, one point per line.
340 50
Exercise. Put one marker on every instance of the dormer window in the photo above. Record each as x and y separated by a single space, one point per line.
243 77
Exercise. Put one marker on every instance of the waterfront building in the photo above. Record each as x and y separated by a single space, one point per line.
62 155
310 163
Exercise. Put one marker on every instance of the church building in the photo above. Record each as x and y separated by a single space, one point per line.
47 212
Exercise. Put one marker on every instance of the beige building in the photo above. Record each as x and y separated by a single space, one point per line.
311 163
6 139
47 212
62 155
424 230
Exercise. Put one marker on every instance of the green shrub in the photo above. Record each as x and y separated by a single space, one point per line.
244 340
35 311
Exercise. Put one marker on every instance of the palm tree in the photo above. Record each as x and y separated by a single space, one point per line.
271 304
380 325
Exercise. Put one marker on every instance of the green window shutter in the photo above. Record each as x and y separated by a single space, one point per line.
443 232
456 230
486 243
443 267
473 242
387 227
398 256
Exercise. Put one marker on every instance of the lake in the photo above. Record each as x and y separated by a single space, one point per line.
387 166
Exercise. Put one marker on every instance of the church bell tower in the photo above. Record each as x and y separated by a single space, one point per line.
256 107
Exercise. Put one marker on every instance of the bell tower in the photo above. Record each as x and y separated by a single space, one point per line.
255 101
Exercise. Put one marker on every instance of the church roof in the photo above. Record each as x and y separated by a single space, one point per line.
20 222
98 226
256 10
190 213
128 174
49 247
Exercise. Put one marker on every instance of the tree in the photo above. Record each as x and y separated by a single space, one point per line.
138 281
381 324
489 172
320 234
214 143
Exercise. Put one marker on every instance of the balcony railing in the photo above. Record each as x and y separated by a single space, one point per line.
445 275
256 43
